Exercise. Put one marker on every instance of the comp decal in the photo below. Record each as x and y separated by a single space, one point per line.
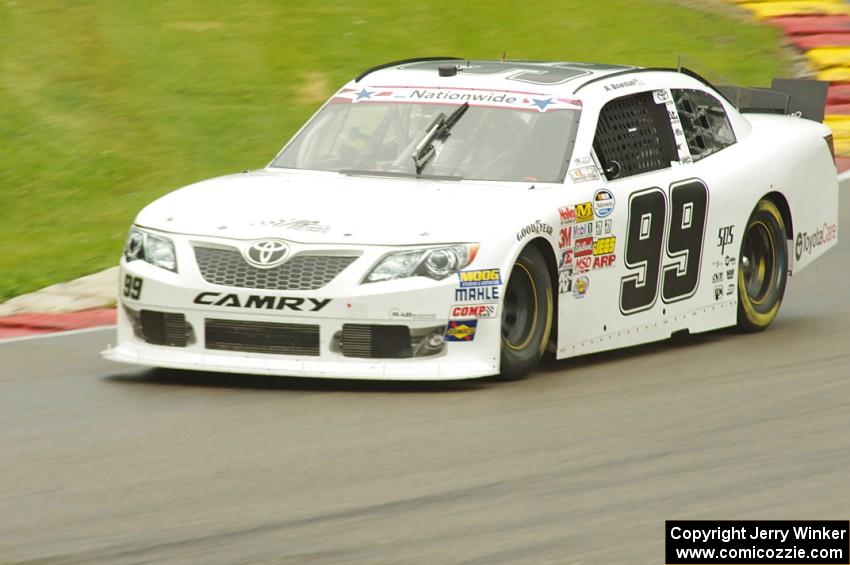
475 311
261 302
461 330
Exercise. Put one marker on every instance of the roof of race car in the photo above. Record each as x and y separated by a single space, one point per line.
545 76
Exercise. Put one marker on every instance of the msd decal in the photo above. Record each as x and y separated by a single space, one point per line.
583 264
473 311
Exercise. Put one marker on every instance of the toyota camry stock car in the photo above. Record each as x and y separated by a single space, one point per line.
441 218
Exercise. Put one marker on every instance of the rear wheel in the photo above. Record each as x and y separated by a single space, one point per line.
762 268
527 311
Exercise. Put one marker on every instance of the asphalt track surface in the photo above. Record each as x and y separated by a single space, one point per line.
581 463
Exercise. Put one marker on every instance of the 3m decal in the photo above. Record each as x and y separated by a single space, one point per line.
132 287
261 302
603 203
477 294
580 287
725 237
584 212
536 227
473 311
807 242
584 247
483 277
604 246
645 241
566 237
461 330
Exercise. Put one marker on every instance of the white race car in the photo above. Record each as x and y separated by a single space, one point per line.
441 218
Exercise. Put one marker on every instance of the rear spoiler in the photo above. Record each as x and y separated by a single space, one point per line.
806 98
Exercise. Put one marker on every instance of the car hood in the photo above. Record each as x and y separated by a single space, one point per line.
329 208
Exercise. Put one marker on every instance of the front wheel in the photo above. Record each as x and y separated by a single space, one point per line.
527 312
762 268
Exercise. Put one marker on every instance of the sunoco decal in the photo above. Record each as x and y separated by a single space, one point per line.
461 330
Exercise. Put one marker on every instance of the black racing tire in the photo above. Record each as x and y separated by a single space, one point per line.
527 312
762 268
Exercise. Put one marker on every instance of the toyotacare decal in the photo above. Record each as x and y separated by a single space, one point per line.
807 242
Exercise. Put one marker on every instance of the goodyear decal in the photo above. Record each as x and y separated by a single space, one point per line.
482 277
461 330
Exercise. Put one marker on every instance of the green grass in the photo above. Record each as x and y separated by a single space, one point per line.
108 104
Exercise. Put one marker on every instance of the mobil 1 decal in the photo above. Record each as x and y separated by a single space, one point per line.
663 249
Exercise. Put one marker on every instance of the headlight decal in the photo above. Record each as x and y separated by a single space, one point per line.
154 249
436 263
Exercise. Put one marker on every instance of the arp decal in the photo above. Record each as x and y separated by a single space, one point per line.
603 203
604 261
461 330
807 242
261 302
481 277
584 212
474 311
477 294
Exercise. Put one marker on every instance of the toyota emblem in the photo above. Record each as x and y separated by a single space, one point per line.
266 253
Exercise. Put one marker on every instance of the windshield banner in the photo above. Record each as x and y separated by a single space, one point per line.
455 96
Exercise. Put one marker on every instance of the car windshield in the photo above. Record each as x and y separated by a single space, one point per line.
529 141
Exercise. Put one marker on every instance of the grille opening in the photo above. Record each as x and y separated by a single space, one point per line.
388 342
304 271
262 337
161 328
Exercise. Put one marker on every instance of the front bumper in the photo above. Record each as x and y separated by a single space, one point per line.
417 303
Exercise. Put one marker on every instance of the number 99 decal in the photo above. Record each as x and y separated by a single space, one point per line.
645 240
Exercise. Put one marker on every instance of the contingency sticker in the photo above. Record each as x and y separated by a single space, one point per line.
461 330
